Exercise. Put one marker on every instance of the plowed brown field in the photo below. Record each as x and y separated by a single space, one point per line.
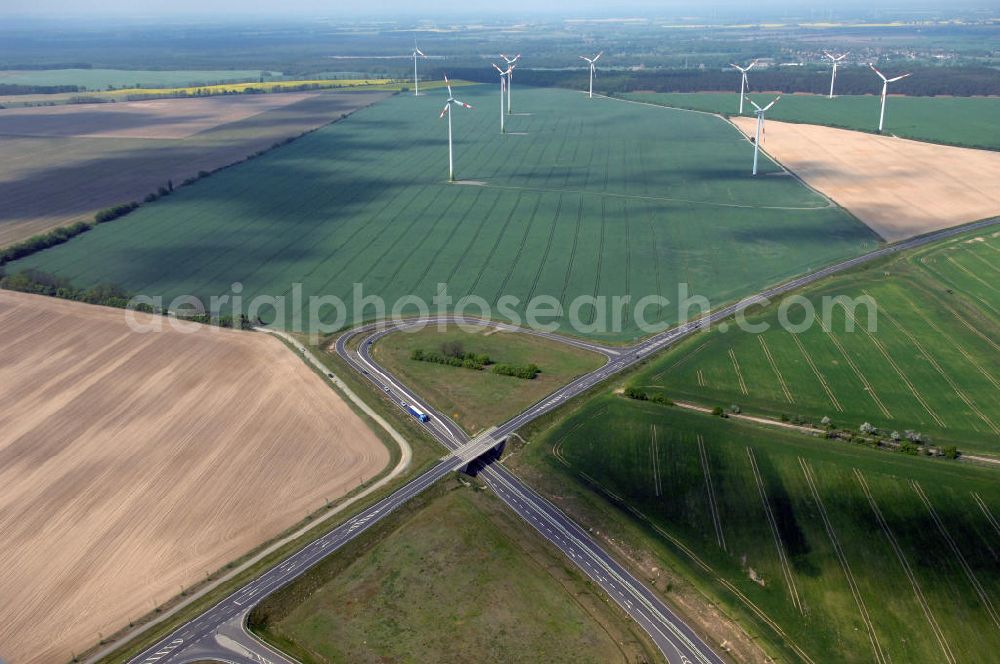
900 188
132 464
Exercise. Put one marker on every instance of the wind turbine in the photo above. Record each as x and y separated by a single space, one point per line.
885 89
592 61
503 83
510 75
836 61
760 127
744 83
447 107
416 81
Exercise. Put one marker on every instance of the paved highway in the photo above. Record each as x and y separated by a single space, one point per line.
218 633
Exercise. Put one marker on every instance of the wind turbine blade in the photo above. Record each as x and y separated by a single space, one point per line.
827 54
446 107
596 57
876 71
502 72
448 84
752 102
421 53
771 104
843 56
751 65
898 78
460 103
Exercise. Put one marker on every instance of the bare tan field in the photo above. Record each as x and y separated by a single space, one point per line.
50 181
900 188
156 118
132 464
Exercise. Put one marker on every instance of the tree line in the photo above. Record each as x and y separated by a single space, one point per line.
961 81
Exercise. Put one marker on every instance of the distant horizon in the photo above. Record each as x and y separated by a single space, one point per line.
236 11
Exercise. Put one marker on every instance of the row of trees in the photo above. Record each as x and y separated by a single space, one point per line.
640 395
108 295
927 81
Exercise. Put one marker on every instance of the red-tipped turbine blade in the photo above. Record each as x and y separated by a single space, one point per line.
446 107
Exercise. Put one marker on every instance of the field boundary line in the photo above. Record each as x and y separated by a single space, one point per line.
945 337
959 556
907 569
774 367
930 360
845 566
986 512
739 374
899 371
786 568
819 376
857 372
713 506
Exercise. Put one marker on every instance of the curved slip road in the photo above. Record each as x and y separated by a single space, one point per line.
218 633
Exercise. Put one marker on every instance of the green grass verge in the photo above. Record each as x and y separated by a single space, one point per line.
929 366
597 198
476 400
608 467
451 576
965 121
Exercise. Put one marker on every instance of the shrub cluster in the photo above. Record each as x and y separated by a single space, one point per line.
526 371
42 241
112 213
43 283
108 295
465 360
639 395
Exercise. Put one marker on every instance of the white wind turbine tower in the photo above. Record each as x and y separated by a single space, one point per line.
510 74
447 111
503 84
416 81
835 59
760 127
885 89
591 61
744 84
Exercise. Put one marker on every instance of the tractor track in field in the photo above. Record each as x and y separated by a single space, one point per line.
879 653
907 569
959 556
657 199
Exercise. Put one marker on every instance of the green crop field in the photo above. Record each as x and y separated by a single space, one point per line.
930 365
586 197
824 550
966 121
100 79
453 576
474 399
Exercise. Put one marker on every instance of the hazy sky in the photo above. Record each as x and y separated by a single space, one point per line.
390 8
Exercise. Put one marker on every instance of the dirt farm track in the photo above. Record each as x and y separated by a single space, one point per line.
132 464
